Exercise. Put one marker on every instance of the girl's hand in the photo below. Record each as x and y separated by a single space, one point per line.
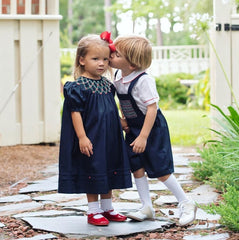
124 125
139 144
86 146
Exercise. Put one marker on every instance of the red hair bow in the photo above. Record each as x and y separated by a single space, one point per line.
106 36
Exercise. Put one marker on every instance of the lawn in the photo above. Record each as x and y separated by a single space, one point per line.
188 127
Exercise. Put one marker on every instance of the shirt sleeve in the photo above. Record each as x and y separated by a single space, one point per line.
74 96
147 91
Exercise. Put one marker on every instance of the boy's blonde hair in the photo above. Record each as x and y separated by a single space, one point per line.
136 49
89 41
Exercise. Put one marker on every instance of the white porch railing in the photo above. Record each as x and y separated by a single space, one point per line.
172 59
45 9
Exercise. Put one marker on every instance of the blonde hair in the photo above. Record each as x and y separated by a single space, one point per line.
83 47
136 49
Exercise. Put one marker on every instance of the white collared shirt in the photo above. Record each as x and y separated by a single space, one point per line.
144 91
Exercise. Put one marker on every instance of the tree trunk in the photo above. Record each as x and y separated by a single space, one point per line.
70 15
147 26
108 19
159 33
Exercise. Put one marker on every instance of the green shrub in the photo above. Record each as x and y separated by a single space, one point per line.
171 90
204 170
200 92
66 65
220 166
228 208
221 154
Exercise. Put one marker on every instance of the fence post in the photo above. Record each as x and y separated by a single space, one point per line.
220 91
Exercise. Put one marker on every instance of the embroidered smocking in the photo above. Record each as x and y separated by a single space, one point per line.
127 109
96 86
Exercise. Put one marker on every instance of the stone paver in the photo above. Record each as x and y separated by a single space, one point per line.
180 160
222 236
203 194
70 219
19 207
40 187
77 225
44 213
40 237
15 198
201 214
133 196
122 207
57 197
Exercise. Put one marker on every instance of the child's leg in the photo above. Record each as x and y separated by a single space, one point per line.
106 206
142 185
94 212
187 207
172 184
93 204
106 201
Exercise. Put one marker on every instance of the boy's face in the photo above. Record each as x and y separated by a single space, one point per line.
117 60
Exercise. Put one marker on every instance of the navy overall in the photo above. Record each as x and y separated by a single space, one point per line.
157 159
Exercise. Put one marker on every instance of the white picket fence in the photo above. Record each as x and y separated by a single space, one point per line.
30 72
172 59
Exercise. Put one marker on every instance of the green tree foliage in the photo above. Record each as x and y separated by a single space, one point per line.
64 37
146 10
177 12
88 17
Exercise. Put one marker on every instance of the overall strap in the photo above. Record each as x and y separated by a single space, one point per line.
116 73
134 81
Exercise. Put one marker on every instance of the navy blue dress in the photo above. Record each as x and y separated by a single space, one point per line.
157 159
108 168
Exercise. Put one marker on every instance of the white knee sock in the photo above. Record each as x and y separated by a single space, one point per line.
143 190
106 204
93 207
172 184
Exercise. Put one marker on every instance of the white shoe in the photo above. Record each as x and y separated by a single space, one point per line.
187 212
144 213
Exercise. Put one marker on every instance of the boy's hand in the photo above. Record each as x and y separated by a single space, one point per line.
86 146
139 144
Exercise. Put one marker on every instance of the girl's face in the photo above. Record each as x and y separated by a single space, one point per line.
95 62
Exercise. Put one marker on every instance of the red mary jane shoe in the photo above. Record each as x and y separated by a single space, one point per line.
114 217
97 221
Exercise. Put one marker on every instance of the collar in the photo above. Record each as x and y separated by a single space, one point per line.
127 78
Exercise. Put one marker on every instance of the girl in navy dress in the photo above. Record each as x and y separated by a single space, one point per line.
93 157
147 135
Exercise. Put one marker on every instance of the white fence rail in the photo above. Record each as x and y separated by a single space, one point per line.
172 59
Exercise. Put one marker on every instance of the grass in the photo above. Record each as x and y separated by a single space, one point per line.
188 127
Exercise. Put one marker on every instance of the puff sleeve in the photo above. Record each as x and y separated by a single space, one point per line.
74 96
